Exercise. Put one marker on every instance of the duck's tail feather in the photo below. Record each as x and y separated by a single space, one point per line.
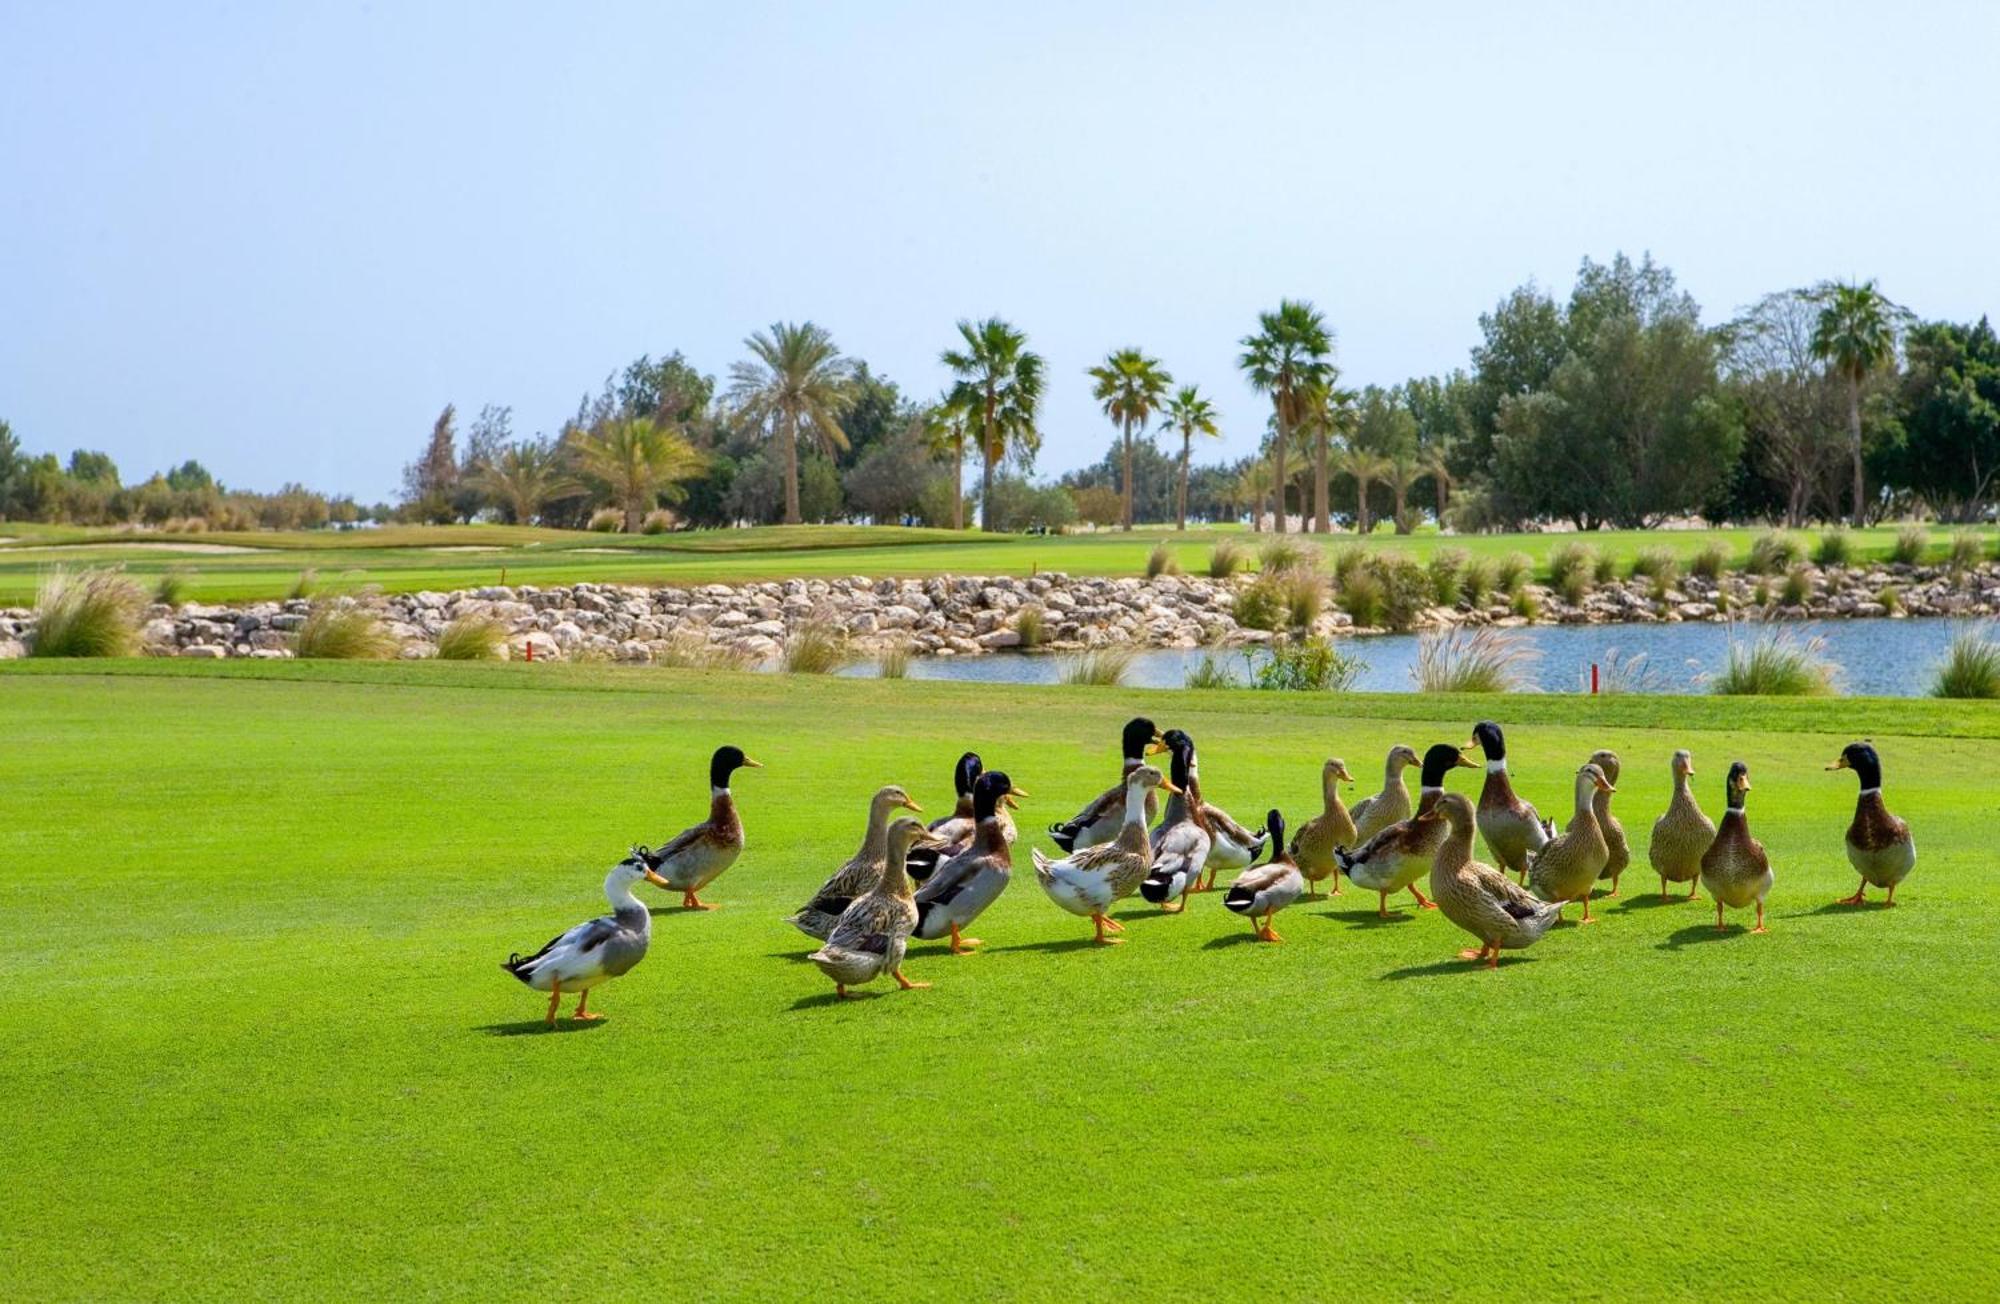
922 862
1158 887
1064 836
1239 900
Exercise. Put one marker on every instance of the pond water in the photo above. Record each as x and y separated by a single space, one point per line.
1877 658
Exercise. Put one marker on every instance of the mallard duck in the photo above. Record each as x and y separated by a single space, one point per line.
1510 826
1735 869
1103 818
1263 890
1502 914
1180 843
1618 852
973 879
1231 845
862 870
1378 810
870 936
695 857
1087 882
1682 834
1879 845
955 830
1313 846
1566 868
1400 854
593 953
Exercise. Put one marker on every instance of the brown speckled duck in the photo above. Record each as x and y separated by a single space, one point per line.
695 857
861 872
1502 914
1567 868
1511 827
1620 851
1682 834
1879 845
1314 844
871 935
1735 869
1400 854
1087 882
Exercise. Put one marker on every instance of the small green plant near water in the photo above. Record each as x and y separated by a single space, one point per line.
1349 562
1710 561
1890 597
1572 570
1226 558
172 588
1447 570
304 586
1478 581
1361 598
1100 667
1651 563
1775 664
1406 591
1800 587
336 632
1971 665
1772 552
1525 604
1031 622
1912 542
1965 551
1471 660
1512 571
1835 548
1761 595
1160 561
1285 553
815 647
1307 665
1260 605
93 613
893 661
472 638
1212 671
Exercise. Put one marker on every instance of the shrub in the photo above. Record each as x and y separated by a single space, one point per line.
1160 561
1101 667
1361 597
815 647
339 633
1307 665
1447 572
607 520
658 521
1514 570
1212 672
1260 605
1776 665
1971 666
893 661
1572 567
172 588
472 638
1406 591
1651 563
1890 597
1912 542
94 613
1525 604
1800 586
1031 622
685 649
1772 552
1478 581
1226 558
1965 550
1835 548
1605 568
1711 561
304 586
1761 595
1303 592
1463 660
1348 562
1284 553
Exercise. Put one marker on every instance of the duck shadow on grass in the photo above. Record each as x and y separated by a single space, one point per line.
664 912
824 999
1439 968
1649 901
1838 908
1706 931
1228 939
537 1027
1084 943
1363 918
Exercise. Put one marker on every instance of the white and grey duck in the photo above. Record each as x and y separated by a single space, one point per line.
872 934
1103 819
1735 869
598 950
695 857
973 879
1087 882
1182 840
861 871
1511 826
1879 845
1261 891
1403 852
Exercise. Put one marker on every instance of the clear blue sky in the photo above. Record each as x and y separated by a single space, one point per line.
279 237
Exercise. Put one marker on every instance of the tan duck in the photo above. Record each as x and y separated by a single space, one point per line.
1735 869
1502 914
871 935
861 872
1378 810
1879 845
1087 882
695 857
1102 820
1566 869
1400 854
1682 834
1313 846
1511 827
1619 858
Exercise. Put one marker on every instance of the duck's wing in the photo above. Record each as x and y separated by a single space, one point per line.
1235 832
1498 892
951 877
1258 877
679 843
1095 811
581 940
869 919
1358 812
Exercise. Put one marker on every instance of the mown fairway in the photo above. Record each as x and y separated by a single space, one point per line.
259 1046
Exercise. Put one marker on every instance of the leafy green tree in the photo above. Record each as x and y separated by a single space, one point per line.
88 467
521 478
795 384
1154 475
190 477
429 481
1523 340
635 461
1791 407
876 412
670 390
997 385
1946 435
13 471
1020 504
1855 335
887 484
1188 415
947 427
1285 359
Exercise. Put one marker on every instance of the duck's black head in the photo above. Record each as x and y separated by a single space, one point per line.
1487 737
1861 758
1141 738
987 790
967 769
1739 783
725 762
1440 760
1182 747
1275 822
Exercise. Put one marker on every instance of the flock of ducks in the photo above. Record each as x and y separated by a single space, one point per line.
931 882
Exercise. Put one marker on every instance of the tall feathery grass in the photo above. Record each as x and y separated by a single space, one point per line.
334 632
93 613
1710 561
1160 561
472 638
1619 673
304 586
1799 587
1572 571
1285 553
172 587
1031 622
606 520
815 647
1835 548
1652 563
1226 558
1307 665
1964 552
1912 542
893 661
1775 664
1100 667
1970 666
1465 660
1772 552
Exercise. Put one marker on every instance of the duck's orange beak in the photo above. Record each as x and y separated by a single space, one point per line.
1465 762
1840 764
755 765
657 881
1168 785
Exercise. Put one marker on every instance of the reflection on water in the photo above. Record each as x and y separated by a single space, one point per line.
1877 658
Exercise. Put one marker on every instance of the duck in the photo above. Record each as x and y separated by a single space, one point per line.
1313 846
598 950
871 935
1263 890
1181 842
1735 869
1502 914
1879 845
973 879
956 829
695 857
1566 868
1086 882
1378 810
1619 852
1397 856
1103 819
1231 845
1682 833
860 873
1510 826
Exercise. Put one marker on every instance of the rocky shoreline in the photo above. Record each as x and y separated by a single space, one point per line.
973 615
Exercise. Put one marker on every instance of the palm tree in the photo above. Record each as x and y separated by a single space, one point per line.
634 459
1284 359
1366 467
794 383
1131 387
1188 414
946 427
522 479
999 388
1402 473
1329 413
1856 333
1434 461
1252 486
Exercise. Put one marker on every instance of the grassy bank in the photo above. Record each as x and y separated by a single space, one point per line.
260 1045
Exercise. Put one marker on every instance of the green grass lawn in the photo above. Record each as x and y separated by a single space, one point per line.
259 1045
405 558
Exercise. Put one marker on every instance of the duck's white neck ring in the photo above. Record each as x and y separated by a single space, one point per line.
1497 767
1870 792
718 792
1431 788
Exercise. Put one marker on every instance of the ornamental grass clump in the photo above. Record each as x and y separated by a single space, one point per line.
1965 550
815 647
93 613
1970 667
1572 570
1031 622
1406 591
1226 558
1160 561
1260 605
1912 542
1525 604
1835 548
1651 563
472 638
893 661
1800 586
1710 561
1283 554
1478 582
1212 671
1773 552
1307 665
1462 660
1514 570
1361 597
336 632
1447 571
1776 664
304 586
172 588
1349 562
1100 667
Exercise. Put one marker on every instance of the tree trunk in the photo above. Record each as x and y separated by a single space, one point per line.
958 484
1402 509
1125 429
1854 444
632 519
1278 472
1361 522
1322 519
791 435
1180 505
986 490
1443 488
